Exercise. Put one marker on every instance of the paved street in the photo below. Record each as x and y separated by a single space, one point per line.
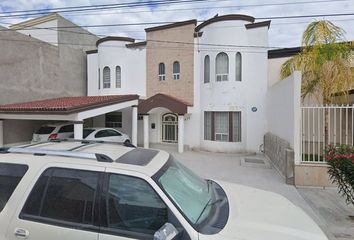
323 205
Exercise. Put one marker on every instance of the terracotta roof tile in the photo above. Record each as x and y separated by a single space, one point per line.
66 104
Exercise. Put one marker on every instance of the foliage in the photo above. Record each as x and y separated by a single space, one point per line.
325 62
341 169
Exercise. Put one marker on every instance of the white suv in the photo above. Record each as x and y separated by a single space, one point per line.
85 190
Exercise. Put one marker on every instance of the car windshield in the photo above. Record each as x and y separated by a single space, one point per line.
190 193
45 130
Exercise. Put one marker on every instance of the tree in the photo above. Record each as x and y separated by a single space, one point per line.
325 62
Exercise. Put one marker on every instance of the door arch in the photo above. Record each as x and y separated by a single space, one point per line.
169 128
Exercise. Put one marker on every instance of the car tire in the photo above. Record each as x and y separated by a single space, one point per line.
127 141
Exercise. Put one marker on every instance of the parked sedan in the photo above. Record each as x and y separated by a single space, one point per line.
105 134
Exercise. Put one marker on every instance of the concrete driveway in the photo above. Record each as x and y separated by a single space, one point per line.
324 206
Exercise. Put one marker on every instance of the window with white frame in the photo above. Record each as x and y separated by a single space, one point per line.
106 77
238 64
176 70
118 77
162 72
114 120
206 69
222 126
222 67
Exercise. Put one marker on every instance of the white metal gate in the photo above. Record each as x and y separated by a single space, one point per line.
170 128
322 126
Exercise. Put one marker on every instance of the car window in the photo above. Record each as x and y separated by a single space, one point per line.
66 129
112 133
133 205
45 130
87 132
102 133
63 195
10 176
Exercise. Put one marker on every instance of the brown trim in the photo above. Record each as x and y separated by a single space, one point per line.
230 127
258 24
171 25
198 34
91 51
284 52
111 38
162 100
228 17
212 126
137 44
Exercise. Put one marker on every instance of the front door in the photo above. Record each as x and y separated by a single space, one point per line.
169 128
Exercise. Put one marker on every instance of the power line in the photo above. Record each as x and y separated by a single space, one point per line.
101 7
205 8
170 22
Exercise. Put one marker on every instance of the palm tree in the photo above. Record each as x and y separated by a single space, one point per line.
325 62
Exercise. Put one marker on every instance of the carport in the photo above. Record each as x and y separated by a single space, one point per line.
71 109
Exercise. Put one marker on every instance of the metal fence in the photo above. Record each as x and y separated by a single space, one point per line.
324 125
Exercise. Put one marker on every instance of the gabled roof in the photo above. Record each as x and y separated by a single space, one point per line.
229 17
173 104
65 105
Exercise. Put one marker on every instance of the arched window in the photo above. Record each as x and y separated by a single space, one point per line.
238 67
207 69
162 73
176 70
222 67
106 77
118 77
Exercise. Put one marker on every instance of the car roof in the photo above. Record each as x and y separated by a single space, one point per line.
145 161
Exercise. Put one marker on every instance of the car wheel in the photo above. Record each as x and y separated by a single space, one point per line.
127 141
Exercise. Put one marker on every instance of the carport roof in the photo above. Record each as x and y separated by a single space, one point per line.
66 105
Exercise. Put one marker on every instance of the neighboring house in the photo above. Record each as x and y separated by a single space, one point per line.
41 63
198 95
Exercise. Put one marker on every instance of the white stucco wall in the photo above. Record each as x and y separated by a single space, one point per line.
233 95
283 109
133 69
49 36
274 67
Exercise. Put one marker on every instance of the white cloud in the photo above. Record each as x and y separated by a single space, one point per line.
283 33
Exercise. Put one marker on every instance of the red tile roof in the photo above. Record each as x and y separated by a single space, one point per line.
166 101
66 104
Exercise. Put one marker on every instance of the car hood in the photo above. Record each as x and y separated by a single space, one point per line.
261 215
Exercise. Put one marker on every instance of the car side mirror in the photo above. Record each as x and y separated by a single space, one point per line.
166 232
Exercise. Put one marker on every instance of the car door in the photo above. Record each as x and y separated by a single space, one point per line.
108 135
132 209
63 204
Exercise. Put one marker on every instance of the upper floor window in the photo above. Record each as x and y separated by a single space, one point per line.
162 72
176 70
238 67
222 67
106 77
207 69
118 77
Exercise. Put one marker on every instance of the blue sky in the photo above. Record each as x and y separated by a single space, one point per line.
283 33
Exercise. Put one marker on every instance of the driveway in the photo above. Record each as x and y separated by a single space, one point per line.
324 206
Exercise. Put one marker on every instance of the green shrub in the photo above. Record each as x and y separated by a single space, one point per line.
341 169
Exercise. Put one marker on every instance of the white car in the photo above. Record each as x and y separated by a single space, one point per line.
53 131
105 134
82 190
